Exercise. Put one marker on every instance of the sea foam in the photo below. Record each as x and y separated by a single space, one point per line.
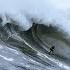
54 12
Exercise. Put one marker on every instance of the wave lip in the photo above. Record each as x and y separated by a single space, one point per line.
51 12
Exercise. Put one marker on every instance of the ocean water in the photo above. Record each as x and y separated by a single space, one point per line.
28 29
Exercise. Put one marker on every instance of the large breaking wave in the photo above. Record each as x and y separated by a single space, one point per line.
28 29
29 49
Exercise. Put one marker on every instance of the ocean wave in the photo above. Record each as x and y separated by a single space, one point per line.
34 35
29 50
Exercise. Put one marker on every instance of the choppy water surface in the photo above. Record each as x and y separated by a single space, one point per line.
29 50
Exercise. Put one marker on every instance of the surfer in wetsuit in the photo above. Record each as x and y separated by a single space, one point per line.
52 50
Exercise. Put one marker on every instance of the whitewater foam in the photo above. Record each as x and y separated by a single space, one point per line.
51 12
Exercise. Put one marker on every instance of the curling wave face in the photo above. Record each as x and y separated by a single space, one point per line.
29 50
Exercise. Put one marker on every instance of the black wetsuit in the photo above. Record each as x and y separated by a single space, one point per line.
52 50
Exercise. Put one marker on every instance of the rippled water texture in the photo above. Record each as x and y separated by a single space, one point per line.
29 50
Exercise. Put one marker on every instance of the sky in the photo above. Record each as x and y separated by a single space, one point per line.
55 12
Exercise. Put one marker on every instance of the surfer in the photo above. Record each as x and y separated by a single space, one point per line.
52 50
